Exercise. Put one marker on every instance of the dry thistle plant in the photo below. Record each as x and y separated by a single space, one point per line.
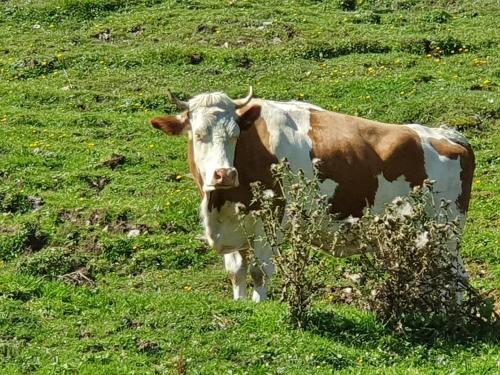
293 218
413 277
409 269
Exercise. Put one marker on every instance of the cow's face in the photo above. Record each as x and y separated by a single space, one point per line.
214 126
214 132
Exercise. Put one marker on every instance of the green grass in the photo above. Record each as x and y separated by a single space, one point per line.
70 98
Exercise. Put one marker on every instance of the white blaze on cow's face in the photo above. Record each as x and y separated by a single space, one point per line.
214 133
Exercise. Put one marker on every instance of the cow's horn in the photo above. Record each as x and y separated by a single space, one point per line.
179 103
238 103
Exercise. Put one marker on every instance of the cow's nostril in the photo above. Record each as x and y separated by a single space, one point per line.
218 175
225 176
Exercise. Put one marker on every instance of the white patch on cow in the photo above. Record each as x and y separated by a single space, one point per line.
387 191
328 187
445 171
289 125
222 229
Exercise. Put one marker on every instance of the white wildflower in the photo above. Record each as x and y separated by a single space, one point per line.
268 194
422 240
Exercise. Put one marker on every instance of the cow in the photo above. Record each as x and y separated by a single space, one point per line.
363 163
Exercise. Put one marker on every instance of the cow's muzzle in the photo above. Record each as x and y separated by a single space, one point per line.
225 178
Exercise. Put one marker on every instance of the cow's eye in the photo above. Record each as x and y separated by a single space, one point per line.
200 137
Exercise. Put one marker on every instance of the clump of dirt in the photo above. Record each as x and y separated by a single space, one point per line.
149 347
97 182
104 35
114 161
80 276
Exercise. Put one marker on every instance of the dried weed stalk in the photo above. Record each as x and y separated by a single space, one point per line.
293 219
409 268
415 274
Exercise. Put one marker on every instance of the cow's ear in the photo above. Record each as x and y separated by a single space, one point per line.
248 116
171 125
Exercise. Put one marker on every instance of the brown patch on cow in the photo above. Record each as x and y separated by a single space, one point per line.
171 125
252 159
453 150
248 116
354 151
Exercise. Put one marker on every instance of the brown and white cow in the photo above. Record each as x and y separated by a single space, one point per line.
362 162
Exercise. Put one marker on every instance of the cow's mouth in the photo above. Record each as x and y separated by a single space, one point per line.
208 188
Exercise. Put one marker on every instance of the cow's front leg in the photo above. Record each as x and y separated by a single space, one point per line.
236 265
261 270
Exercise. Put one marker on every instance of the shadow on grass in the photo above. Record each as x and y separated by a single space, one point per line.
369 333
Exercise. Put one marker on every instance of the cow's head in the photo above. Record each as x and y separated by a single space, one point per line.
214 125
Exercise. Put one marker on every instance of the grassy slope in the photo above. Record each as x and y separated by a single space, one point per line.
68 100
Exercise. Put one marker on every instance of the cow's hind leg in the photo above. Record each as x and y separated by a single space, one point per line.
458 263
236 265
459 268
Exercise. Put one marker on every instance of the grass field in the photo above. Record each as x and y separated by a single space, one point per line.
80 168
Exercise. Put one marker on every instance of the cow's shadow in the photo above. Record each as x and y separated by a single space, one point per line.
368 333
